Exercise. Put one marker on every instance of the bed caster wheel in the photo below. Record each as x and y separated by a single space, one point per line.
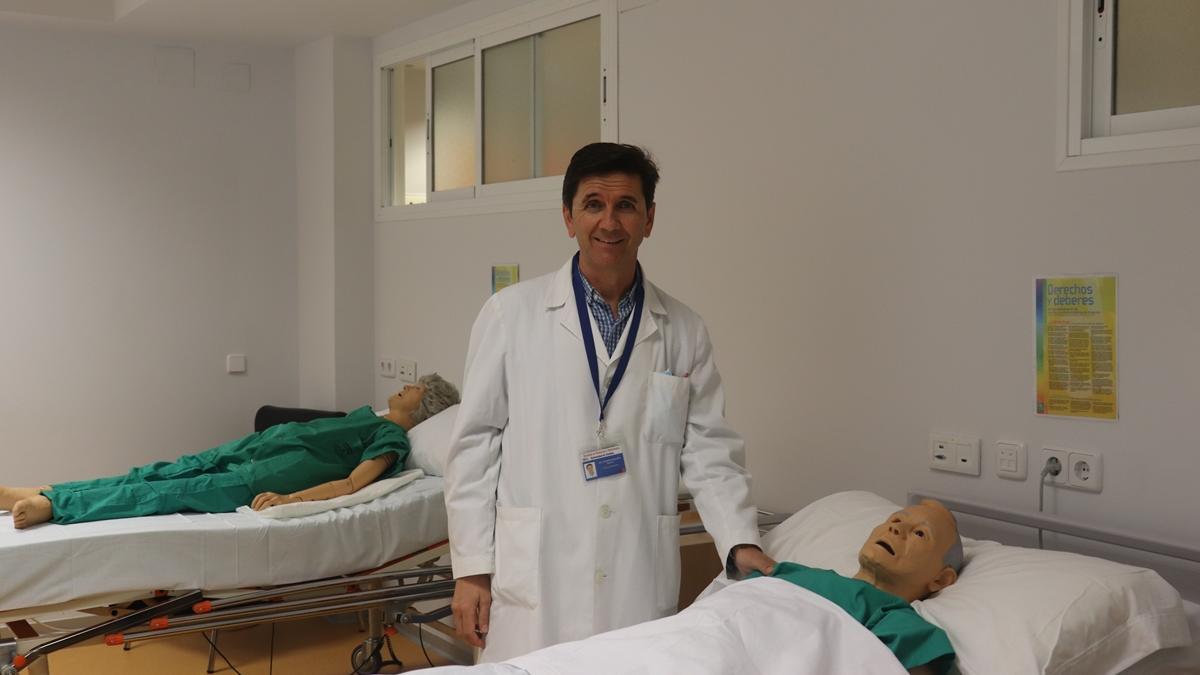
364 661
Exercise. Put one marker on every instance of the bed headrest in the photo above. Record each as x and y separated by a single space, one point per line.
1013 609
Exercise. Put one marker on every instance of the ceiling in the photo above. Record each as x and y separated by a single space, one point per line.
279 23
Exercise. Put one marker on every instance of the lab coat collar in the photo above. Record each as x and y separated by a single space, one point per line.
560 296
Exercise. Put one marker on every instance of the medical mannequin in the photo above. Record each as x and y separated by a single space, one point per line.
913 554
288 463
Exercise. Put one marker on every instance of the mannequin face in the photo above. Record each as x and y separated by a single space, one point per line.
905 554
407 399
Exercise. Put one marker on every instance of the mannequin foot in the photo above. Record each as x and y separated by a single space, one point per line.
12 495
31 511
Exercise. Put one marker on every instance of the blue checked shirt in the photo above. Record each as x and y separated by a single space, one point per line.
610 328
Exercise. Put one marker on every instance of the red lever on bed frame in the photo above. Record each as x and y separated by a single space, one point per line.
114 639
159 622
19 662
202 607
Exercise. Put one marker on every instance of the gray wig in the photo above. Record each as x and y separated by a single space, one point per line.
439 395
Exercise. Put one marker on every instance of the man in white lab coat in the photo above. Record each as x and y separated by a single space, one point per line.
588 393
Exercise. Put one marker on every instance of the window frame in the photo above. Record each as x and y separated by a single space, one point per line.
520 195
1088 135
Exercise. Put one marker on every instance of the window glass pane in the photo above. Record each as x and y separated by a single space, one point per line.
1157 55
541 101
454 125
569 81
406 133
508 111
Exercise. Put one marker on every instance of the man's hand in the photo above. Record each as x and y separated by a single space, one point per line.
750 558
268 499
472 605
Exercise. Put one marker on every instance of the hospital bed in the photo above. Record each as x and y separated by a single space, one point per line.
215 567
1015 610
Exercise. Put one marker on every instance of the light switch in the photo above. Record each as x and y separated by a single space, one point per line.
235 363
1010 460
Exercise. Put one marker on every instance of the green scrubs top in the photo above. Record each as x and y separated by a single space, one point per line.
298 455
913 640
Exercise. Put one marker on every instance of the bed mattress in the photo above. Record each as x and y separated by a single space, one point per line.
54 564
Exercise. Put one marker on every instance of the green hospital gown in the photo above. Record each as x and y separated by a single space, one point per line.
284 459
913 640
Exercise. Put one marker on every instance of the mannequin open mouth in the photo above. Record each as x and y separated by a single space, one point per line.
886 546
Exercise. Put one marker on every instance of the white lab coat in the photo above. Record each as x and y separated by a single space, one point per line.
570 558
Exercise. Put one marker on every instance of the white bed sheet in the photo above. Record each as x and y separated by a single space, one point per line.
766 626
52 564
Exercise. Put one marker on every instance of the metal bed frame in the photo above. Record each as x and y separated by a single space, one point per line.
386 596
1073 528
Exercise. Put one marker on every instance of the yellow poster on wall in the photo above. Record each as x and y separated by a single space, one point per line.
1077 346
504 276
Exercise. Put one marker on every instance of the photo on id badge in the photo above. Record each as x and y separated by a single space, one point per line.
603 462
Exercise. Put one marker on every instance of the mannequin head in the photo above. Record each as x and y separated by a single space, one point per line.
916 552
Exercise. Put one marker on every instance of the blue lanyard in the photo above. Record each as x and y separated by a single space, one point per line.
589 342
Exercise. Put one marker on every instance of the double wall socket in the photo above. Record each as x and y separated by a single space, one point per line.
1080 470
402 368
951 452
406 370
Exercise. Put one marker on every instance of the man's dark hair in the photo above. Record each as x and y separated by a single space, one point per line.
599 159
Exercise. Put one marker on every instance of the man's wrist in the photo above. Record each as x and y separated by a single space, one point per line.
731 568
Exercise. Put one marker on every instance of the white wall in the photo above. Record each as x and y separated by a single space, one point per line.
336 236
145 233
857 197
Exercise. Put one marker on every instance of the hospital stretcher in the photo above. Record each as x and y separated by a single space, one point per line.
386 591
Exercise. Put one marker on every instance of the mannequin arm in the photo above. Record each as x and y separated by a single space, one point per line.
362 475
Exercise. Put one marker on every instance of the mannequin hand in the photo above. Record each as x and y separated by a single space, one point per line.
472 606
750 558
268 499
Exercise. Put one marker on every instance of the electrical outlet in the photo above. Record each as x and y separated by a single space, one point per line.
951 452
941 453
1061 456
406 370
387 367
1085 470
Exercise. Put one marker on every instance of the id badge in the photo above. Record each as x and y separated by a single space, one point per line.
603 462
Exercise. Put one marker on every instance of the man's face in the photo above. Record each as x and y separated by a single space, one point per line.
909 548
408 398
609 218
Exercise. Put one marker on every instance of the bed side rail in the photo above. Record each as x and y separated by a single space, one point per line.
1052 523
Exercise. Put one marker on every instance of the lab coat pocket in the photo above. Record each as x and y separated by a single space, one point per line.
667 407
518 555
666 565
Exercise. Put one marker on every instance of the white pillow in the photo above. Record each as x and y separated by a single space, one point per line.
1013 610
431 442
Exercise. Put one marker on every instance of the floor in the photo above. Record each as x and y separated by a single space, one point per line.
313 647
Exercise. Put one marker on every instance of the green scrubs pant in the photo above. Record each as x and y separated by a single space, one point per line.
200 482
